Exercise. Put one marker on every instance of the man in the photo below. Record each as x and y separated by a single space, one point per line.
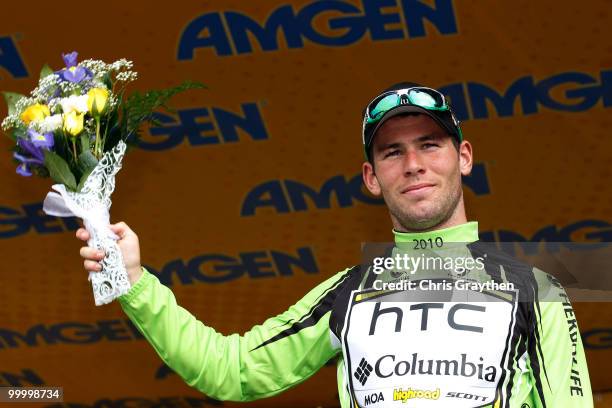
447 346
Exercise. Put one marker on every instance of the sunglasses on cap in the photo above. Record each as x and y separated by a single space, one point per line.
423 97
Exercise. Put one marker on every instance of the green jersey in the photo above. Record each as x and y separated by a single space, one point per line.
397 339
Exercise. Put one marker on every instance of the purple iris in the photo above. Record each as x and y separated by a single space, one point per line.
33 151
72 72
24 170
24 167
70 59
44 140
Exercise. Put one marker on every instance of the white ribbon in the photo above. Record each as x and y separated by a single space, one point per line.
92 205
62 205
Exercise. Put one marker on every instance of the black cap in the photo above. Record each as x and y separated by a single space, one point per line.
446 119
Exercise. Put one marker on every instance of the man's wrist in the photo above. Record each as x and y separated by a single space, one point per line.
134 274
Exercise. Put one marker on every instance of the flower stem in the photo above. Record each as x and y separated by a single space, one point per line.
97 145
104 137
74 148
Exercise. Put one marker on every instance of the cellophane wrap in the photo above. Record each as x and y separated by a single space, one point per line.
92 204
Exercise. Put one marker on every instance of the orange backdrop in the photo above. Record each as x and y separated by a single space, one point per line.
262 165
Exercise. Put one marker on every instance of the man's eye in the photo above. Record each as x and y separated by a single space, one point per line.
392 153
429 145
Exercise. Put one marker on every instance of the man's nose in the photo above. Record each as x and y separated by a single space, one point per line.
413 163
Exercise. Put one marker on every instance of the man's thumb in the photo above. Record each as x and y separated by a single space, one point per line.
121 229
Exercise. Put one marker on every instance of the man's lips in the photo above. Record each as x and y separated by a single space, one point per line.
417 188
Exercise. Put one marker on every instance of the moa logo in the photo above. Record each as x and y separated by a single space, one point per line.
10 59
329 23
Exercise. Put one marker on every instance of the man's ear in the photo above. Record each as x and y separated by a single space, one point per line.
369 179
465 158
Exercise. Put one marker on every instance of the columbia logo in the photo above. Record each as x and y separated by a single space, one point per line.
363 371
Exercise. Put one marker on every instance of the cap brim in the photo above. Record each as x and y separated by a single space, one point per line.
407 109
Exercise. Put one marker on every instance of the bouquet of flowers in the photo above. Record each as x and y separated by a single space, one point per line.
75 127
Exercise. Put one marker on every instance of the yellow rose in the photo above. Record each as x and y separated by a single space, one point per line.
96 101
35 113
73 122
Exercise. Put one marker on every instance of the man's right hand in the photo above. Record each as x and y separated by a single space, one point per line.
128 244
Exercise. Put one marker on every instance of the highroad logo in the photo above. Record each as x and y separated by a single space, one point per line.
404 395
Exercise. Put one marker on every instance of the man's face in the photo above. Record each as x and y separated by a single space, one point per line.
417 170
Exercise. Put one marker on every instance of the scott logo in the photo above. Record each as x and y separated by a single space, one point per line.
230 33
474 397
205 126
284 196
363 371
10 60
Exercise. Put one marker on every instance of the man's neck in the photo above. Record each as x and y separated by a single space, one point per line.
466 233
457 217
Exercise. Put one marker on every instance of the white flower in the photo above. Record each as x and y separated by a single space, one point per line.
68 88
97 67
46 86
76 103
10 122
113 101
121 64
24 103
51 123
127 76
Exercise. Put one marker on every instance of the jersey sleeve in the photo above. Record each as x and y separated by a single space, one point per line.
283 351
560 373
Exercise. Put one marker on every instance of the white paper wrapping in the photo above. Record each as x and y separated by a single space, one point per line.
92 204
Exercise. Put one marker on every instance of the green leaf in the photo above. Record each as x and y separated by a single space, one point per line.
59 170
11 136
11 99
87 161
139 108
45 71
107 81
84 142
15 134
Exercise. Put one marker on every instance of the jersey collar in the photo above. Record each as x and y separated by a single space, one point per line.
466 233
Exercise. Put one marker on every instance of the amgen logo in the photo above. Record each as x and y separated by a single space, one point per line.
203 126
10 59
231 33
